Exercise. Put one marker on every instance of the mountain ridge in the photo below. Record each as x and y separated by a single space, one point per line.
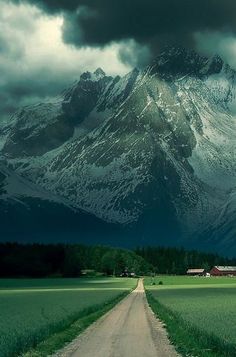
159 140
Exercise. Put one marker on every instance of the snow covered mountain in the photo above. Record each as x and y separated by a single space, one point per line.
150 155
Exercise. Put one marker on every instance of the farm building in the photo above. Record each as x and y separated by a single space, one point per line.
196 272
223 270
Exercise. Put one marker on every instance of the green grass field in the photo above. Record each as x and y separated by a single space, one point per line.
32 310
199 313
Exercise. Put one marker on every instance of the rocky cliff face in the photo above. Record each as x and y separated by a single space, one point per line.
151 150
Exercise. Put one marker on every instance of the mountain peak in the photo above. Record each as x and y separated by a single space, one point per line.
95 76
178 62
99 73
86 76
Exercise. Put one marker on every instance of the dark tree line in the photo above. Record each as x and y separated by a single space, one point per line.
36 260
178 260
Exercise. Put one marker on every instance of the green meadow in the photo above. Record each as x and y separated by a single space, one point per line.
34 310
199 313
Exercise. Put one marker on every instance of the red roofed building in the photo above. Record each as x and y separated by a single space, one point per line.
223 270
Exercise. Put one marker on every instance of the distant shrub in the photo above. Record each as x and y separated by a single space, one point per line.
160 282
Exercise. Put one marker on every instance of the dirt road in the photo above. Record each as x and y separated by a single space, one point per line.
129 330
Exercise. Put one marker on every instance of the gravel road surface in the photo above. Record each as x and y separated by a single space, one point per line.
130 329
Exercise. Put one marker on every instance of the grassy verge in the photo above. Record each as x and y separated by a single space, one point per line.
188 340
63 336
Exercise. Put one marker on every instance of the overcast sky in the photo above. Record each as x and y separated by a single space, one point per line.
35 63
46 44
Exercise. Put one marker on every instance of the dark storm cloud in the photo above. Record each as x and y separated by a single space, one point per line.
140 28
25 90
151 23
35 63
